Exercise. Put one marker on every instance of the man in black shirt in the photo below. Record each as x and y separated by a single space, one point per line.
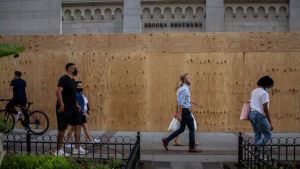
19 98
67 110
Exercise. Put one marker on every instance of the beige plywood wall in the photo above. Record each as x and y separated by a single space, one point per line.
130 79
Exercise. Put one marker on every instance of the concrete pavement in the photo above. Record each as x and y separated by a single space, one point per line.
220 150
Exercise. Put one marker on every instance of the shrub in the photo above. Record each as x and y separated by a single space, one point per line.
111 164
36 162
53 162
4 126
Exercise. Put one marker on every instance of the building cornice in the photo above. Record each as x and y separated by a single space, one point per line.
66 3
256 1
173 2
70 3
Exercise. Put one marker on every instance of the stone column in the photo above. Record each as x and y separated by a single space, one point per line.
214 15
55 19
294 15
132 16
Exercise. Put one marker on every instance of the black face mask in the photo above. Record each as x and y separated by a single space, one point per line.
75 72
80 89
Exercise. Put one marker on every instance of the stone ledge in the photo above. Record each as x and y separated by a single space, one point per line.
71 3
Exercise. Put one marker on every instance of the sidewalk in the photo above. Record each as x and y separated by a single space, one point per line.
219 149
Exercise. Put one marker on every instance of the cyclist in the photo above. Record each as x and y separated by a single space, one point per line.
18 85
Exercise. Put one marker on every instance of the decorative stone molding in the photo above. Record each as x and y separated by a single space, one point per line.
256 10
174 11
183 8
93 12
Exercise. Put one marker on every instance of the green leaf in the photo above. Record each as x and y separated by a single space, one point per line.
10 49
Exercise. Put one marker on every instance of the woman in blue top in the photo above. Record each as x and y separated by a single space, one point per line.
84 110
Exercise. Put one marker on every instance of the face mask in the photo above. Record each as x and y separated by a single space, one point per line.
75 72
80 89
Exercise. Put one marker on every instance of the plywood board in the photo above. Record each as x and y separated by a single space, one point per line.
130 79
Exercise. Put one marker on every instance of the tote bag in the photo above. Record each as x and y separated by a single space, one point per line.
245 111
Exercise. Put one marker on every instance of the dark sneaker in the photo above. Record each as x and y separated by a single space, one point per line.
165 143
195 150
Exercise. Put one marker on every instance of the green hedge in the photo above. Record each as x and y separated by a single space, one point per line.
36 162
52 162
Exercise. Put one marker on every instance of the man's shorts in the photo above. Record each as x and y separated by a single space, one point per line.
68 117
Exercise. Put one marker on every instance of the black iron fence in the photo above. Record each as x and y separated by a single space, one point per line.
135 154
279 153
124 148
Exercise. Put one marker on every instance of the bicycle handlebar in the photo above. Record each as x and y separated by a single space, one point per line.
5 100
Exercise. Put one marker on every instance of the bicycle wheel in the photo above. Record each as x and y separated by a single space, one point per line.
9 119
38 122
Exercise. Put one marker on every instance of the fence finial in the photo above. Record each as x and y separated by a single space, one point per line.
138 135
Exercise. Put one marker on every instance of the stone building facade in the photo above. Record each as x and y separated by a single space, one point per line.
147 16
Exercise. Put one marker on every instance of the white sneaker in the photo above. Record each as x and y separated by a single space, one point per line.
96 140
61 153
69 146
79 151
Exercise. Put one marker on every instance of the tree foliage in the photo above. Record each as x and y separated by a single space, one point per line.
10 49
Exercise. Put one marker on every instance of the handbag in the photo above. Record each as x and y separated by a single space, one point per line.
245 111
174 125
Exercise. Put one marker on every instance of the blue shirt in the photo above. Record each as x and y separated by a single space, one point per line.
183 96
83 105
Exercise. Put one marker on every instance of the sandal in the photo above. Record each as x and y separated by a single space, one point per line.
177 144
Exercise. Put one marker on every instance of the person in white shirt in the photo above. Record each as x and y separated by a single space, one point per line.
259 115
184 115
176 139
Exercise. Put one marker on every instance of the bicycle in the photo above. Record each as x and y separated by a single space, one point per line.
37 122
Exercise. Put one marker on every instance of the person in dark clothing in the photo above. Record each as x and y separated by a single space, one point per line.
85 113
67 110
19 98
